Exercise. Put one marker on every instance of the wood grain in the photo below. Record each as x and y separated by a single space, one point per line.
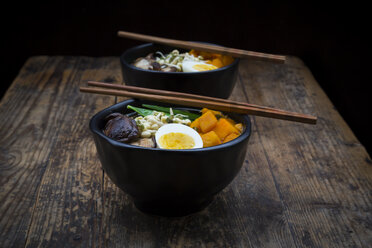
51 179
322 172
300 185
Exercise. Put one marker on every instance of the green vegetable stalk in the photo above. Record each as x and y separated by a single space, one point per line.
189 115
140 111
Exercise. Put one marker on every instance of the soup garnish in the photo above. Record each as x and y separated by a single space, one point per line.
169 128
192 61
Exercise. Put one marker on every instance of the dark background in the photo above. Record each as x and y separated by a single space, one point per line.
332 39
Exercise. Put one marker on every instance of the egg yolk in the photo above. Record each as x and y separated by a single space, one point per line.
176 141
202 67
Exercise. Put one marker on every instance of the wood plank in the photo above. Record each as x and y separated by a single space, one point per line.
322 172
51 189
69 207
24 151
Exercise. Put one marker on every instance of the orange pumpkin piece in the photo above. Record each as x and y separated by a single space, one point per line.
230 137
210 139
215 112
204 110
195 125
207 121
226 60
217 62
224 128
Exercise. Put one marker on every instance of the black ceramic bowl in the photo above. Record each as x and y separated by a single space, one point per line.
215 83
169 182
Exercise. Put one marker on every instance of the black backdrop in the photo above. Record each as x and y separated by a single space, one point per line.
331 39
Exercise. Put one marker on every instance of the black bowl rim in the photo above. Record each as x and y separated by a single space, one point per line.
124 62
101 114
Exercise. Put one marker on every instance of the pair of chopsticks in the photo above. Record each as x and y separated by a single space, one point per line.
193 100
203 47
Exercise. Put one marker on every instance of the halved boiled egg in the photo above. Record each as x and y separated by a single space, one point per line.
178 136
196 66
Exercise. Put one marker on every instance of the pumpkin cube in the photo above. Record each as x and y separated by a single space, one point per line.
204 110
210 139
196 125
215 112
217 62
224 128
207 121
226 60
230 137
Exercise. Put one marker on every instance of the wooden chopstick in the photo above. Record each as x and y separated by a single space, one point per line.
176 94
221 106
204 47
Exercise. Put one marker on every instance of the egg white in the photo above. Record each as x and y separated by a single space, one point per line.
179 128
191 66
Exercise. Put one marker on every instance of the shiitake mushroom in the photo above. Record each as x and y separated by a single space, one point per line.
121 128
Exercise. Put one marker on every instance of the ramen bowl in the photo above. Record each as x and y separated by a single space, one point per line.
215 83
169 182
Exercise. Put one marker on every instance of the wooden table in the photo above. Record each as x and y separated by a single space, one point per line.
300 186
